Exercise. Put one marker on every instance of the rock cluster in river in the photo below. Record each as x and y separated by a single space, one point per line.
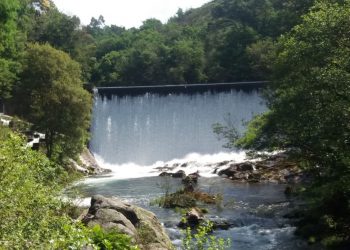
142 225
274 169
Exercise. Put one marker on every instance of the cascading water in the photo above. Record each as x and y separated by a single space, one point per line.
140 131
133 135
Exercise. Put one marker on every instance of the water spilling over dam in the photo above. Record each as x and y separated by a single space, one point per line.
151 127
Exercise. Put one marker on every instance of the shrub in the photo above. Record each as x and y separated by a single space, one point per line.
203 240
30 208
110 240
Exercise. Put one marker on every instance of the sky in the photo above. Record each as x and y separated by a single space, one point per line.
126 13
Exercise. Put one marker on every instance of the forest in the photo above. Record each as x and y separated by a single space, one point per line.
223 41
49 61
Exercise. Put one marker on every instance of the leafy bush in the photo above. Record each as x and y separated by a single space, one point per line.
110 240
30 208
203 240
32 214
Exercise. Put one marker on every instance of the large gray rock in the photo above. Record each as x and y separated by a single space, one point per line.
142 225
90 164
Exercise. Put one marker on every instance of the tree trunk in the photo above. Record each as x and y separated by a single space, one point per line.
49 143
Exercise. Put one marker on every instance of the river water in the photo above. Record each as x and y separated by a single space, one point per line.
133 135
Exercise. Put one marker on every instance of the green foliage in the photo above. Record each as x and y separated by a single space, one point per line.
309 102
226 132
254 131
179 199
30 210
186 199
203 240
57 29
145 234
111 240
4 133
309 97
10 46
53 99
20 126
225 40
260 55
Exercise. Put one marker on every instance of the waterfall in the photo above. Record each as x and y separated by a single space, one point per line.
136 131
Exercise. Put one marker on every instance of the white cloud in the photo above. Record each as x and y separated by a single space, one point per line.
127 13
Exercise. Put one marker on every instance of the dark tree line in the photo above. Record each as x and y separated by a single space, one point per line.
223 41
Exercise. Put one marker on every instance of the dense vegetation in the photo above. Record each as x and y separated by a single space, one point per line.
45 56
32 212
225 40
50 95
309 116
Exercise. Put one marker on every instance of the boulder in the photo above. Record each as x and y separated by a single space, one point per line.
90 164
179 174
272 169
223 163
140 224
191 179
228 171
192 218
221 224
245 166
241 176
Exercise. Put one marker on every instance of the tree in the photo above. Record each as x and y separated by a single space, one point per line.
110 69
152 24
312 85
9 46
309 114
187 62
95 28
56 28
260 55
53 99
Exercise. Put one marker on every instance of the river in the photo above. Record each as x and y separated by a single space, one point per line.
133 135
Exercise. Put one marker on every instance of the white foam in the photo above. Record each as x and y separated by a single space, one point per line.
205 164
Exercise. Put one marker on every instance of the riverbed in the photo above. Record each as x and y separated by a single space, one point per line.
255 210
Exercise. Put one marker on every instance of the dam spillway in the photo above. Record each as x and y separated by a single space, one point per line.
146 124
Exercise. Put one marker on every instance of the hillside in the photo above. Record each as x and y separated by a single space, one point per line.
222 41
